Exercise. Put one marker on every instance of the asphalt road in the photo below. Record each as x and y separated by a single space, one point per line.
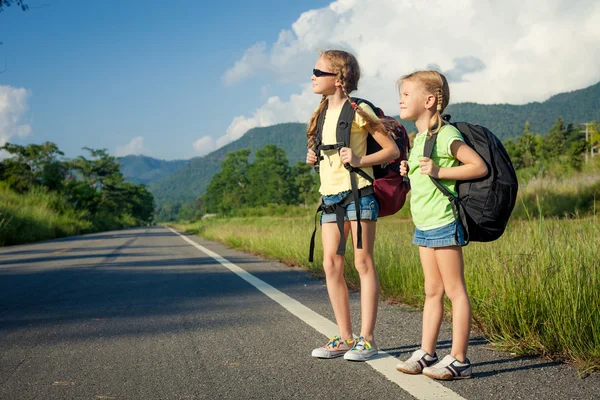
144 314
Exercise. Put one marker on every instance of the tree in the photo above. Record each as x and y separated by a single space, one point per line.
514 152
33 165
594 131
305 182
270 178
8 3
527 146
576 151
199 208
553 145
228 189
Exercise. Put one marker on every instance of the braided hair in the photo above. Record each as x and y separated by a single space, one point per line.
436 84
347 69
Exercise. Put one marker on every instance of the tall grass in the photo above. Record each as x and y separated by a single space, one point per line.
32 217
42 215
534 291
578 195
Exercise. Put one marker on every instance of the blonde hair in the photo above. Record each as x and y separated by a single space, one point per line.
347 69
435 83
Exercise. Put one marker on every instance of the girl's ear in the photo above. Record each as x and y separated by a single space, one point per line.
429 101
338 83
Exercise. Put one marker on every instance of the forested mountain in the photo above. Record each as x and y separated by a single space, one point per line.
505 120
191 180
143 169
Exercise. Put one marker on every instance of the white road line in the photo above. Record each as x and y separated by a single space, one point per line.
419 386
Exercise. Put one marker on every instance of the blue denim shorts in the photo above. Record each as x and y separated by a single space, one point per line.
452 234
369 208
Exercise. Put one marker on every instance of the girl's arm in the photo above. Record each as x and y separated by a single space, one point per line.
473 165
389 151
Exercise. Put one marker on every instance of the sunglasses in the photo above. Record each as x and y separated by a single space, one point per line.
318 73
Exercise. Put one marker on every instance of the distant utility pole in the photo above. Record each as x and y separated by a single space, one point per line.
587 138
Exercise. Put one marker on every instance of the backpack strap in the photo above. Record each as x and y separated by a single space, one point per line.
333 208
454 201
319 138
342 136
358 101
427 152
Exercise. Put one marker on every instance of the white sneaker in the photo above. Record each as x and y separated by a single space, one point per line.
336 347
449 368
362 351
415 364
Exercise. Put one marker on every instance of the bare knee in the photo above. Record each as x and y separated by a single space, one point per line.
434 290
364 264
457 293
333 267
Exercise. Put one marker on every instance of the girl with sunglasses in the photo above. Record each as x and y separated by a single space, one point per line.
335 75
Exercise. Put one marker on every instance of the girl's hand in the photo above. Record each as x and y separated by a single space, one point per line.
428 167
311 157
403 168
348 157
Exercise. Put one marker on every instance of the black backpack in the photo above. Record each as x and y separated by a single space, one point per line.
483 205
389 187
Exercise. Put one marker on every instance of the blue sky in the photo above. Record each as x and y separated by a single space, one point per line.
178 79
100 73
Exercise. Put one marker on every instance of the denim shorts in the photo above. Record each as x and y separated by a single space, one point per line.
452 234
369 208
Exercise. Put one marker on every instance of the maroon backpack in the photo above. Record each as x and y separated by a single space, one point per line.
389 187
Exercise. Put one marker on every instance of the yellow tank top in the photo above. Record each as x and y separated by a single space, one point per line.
334 177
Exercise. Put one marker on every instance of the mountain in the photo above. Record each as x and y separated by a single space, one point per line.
142 169
191 180
505 120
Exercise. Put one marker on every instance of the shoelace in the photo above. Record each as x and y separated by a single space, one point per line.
362 344
333 342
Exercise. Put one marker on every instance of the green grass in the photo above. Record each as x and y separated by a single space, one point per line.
32 217
534 291
43 215
577 195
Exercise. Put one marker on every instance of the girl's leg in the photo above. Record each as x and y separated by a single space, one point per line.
369 282
451 267
333 264
434 300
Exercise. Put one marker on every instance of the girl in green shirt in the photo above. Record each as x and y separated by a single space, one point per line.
423 97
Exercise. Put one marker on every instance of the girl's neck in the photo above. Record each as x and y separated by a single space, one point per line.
422 123
336 100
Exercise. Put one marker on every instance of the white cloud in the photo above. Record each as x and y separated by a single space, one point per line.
13 106
515 51
136 147
275 111
252 58
204 145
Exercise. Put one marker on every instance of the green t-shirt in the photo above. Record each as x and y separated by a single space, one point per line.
429 207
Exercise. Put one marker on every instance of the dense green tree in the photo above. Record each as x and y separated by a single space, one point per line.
526 148
306 183
94 186
576 153
594 133
269 178
33 165
229 188
514 153
553 145
199 208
